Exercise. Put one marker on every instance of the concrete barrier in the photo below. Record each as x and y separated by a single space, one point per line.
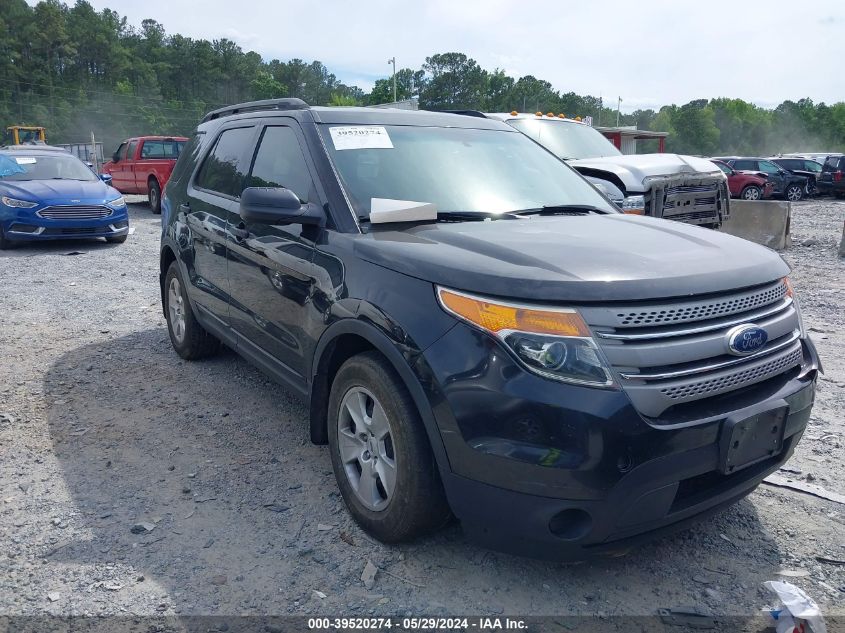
763 221
842 242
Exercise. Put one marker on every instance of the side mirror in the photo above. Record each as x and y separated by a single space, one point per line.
277 205
106 178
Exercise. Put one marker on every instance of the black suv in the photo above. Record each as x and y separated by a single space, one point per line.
477 330
810 169
786 184
832 178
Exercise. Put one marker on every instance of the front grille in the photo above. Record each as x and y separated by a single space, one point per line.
75 212
691 198
734 380
676 352
703 309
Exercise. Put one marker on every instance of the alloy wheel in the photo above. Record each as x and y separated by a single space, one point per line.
176 310
365 444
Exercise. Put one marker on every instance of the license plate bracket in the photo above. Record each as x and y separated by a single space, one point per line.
750 440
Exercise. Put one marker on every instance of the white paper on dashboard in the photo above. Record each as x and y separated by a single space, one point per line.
25 160
386 210
360 137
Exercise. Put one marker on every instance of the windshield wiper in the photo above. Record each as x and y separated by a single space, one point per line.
561 209
462 216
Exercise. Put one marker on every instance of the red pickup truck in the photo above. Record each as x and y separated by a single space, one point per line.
142 165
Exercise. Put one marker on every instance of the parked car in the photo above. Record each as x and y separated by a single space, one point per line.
48 194
746 185
786 185
682 188
474 327
810 169
142 165
831 180
818 157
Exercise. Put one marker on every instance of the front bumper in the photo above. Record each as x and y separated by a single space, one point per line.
558 471
25 225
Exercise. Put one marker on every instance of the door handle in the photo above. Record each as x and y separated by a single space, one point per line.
240 232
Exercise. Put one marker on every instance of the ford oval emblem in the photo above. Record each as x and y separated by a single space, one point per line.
746 339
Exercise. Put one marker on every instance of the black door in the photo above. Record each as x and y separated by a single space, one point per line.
271 271
778 176
212 198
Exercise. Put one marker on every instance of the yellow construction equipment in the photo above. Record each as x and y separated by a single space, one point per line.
22 134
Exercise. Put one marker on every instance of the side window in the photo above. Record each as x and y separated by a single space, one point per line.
279 162
130 151
222 170
746 164
768 167
152 149
119 152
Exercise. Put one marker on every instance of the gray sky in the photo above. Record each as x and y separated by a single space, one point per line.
649 52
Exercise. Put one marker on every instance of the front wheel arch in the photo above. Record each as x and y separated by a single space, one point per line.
344 339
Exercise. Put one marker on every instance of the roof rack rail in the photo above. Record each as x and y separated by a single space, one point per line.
475 113
257 106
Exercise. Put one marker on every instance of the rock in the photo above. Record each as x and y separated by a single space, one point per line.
318 594
144 527
219 580
25 486
810 242
368 576
54 596
713 594
322 527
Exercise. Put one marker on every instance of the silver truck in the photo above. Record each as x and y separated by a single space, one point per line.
670 186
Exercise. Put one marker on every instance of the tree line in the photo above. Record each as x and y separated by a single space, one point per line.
76 70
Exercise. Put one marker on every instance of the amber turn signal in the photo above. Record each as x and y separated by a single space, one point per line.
501 317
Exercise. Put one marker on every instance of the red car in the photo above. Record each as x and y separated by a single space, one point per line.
142 165
745 184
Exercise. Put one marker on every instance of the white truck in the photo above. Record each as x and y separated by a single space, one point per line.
683 188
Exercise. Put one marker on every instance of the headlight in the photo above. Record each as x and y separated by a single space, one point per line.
552 342
117 202
18 204
634 205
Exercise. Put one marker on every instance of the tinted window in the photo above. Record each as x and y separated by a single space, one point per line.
811 165
566 140
222 170
161 149
119 151
745 164
280 163
724 168
130 152
768 167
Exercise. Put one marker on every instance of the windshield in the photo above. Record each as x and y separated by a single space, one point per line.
565 139
458 170
43 167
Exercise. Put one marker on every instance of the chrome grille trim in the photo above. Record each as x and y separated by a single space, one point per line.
766 351
745 318
723 384
685 312
68 212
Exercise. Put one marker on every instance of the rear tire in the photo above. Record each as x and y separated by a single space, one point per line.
380 453
794 193
154 194
751 192
190 339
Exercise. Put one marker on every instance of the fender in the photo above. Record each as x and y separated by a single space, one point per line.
392 353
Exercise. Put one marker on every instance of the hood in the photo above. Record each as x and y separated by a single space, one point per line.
59 191
632 169
573 259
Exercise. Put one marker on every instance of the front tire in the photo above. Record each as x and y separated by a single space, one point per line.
118 239
190 339
794 193
751 192
154 194
380 453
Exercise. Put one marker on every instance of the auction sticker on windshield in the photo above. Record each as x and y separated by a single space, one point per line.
24 160
360 137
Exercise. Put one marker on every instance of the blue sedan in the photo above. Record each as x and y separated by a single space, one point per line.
49 194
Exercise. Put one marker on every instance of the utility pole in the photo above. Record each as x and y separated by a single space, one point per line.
392 60
601 106
618 107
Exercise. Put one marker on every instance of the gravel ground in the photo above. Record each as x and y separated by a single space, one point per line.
104 427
